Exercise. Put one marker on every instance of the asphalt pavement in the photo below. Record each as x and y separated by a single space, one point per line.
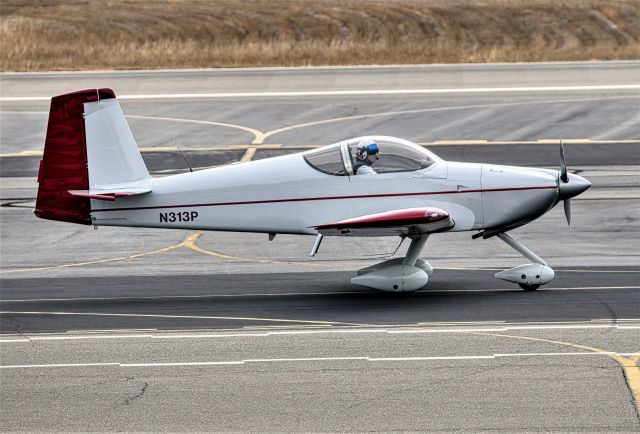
128 329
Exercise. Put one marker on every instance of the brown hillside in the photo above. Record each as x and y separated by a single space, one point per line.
121 34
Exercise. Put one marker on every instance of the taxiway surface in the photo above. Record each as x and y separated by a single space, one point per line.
133 329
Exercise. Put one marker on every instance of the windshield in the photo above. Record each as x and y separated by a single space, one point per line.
327 159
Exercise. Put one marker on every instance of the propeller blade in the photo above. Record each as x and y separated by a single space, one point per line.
563 166
567 210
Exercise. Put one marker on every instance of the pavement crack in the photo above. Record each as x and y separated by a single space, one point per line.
607 306
128 401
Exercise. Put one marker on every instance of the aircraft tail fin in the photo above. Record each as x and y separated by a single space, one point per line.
89 153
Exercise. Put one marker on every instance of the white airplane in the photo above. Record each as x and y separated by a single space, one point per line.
92 173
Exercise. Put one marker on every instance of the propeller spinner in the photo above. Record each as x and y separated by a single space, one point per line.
569 185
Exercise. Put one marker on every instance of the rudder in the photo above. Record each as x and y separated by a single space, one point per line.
89 153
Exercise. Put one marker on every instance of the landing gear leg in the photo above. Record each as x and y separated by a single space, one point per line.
521 248
416 246
529 276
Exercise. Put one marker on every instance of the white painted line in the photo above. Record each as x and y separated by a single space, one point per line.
201 336
543 289
153 365
434 329
467 330
411 359
458 323
170 297
351 92
572 270
275 333
58 365
565 327
306 359
123 330
88 337
603 353
258 135
146 315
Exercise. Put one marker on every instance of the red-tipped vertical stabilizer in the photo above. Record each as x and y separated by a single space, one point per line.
64 164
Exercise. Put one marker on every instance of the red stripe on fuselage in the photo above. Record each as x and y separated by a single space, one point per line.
306 199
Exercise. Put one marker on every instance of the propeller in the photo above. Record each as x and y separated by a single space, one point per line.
567 210
564 177
569 185
563 165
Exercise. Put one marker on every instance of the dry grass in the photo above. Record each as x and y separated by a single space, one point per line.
121 34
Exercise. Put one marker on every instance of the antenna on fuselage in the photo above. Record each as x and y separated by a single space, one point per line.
185 159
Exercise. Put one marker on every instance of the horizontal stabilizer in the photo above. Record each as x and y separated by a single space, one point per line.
110 195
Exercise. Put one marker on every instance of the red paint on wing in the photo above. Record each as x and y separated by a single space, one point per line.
64 163
401 217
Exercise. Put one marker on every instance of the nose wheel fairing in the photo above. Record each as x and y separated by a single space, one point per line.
528 276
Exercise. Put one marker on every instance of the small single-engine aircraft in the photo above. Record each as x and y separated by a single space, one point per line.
92 173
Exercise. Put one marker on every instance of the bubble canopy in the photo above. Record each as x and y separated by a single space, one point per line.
396 155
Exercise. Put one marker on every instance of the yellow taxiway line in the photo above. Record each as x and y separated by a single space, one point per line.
99 261
629 364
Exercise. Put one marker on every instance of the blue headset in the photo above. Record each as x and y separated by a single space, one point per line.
371 149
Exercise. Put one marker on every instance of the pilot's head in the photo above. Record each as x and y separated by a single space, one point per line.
367 151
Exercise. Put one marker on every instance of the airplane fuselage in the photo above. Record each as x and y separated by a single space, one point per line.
286 195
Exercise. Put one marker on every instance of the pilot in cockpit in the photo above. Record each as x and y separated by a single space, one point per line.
366 155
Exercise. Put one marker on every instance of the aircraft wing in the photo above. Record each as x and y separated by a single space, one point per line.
408 221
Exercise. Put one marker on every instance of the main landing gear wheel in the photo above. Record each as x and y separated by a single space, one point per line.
528 287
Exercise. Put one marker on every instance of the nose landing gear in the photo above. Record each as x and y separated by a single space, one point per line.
529 276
